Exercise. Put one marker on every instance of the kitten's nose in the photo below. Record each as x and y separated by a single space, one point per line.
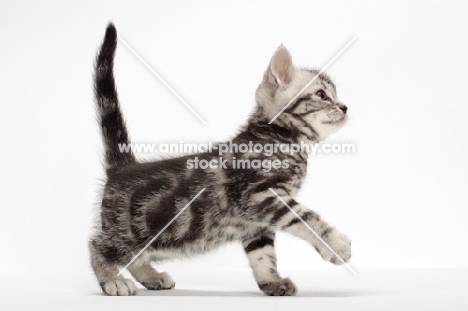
343 108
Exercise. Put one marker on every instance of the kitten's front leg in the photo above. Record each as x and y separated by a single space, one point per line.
336 240
262 258
271 211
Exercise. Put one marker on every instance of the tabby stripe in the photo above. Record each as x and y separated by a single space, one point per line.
303 114
317 250
304 122
300 156
265 203
273 271
284 188
293 222
281 212
292 124
325 233
306 216
269 183
298 102
260 243
309 137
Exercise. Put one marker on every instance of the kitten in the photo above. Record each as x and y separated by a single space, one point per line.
140 199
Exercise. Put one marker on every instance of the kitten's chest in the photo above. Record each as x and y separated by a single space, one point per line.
298 173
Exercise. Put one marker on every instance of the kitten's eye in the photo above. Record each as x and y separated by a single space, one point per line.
321 94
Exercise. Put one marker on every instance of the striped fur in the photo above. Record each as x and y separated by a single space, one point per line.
109 113
139 199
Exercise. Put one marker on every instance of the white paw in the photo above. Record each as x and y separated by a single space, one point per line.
283 287
162 281
340 243
119 287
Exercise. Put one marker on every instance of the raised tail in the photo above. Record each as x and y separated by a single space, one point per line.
114 131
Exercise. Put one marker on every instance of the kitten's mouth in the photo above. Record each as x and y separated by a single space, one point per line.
336 122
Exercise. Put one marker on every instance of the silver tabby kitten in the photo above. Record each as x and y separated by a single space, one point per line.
139 199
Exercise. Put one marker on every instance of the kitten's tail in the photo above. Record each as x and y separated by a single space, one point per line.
114 131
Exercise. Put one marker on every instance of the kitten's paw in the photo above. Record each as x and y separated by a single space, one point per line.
119 287
284 287
162 281
340 243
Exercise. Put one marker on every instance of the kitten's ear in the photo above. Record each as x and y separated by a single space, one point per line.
281 67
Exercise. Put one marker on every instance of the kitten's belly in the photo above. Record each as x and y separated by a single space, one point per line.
187 250
204 244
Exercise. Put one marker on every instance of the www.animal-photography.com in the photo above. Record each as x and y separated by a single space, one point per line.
236 155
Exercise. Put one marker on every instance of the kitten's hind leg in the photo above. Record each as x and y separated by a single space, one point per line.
106 271
262 258
150 278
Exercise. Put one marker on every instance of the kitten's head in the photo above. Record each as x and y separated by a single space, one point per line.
316 112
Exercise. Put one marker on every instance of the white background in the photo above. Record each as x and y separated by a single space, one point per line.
401 197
